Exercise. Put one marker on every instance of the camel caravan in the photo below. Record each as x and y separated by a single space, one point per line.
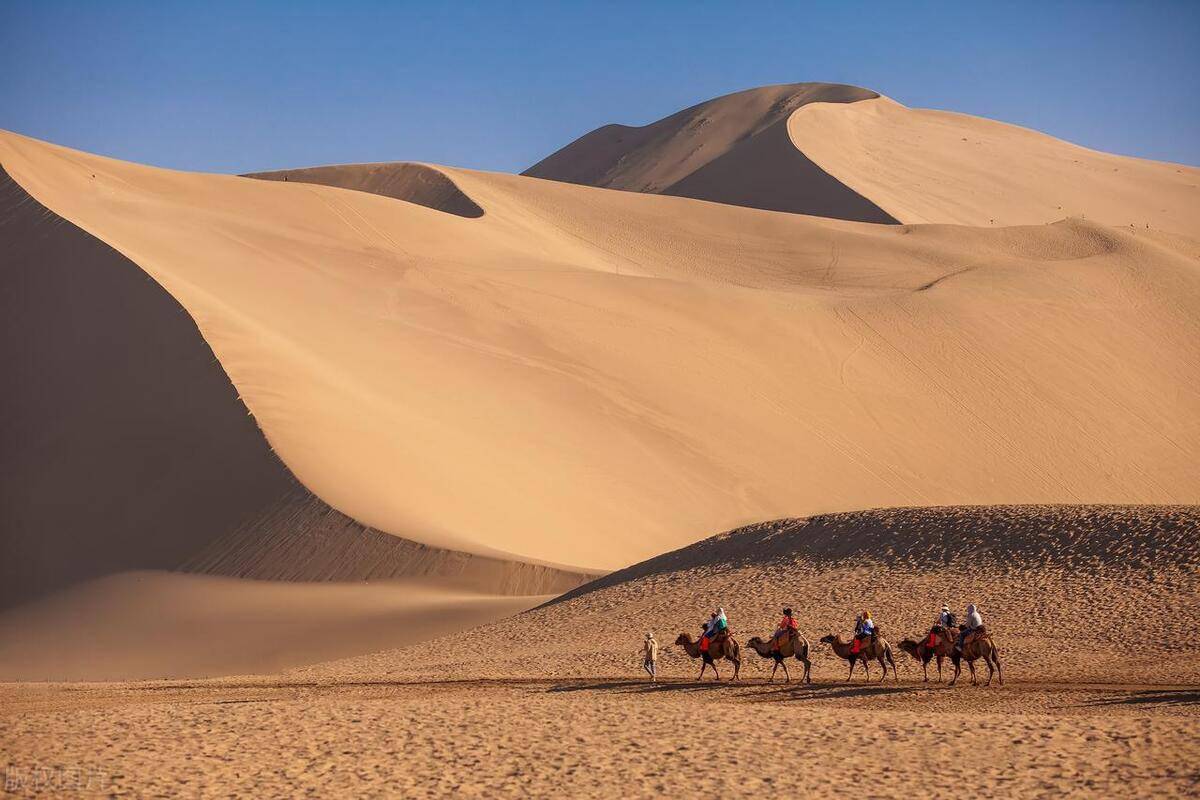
946 639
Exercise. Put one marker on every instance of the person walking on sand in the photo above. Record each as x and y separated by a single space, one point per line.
650 655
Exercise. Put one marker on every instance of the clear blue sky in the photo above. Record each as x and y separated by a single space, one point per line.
232 87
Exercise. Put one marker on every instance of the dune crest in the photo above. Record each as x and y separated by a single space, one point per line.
414 183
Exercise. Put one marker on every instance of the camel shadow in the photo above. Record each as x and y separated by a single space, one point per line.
827 692
642 687
1149 697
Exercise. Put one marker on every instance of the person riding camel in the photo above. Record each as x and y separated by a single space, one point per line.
788 629
973 622
717 626
945 623
864 628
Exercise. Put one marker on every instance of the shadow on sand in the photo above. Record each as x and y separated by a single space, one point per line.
750 692
1149 697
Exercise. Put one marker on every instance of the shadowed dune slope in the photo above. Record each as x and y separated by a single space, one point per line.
145 625
1070 593
413 183
734 149
591 377
125 446
920 165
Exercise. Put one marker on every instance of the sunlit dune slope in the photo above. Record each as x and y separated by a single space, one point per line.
590 377
1071 593
126 447
734 149
848 153
920 165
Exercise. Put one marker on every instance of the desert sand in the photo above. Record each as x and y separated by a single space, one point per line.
368 478
550 702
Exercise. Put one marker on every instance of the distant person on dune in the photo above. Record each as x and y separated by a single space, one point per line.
973 623
650 656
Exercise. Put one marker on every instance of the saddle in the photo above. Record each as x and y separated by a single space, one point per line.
975 635
716 645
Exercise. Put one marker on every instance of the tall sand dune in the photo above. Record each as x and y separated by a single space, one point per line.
589 377
126 447
849 153
734 149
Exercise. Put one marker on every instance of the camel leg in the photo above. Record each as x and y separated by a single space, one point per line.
891 661
991 670
787 677
867 670
807 671
737 668
851 675
882 666
940 659
974 680
703 666
925 669
772 678
999 672
716 671
957 671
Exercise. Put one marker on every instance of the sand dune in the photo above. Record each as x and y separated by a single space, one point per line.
591 377
1071 593
125 445
413 183
848 153
734 149
118 404
920 165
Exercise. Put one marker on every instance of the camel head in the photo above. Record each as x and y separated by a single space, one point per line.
683 639
909 646
754 641
829 638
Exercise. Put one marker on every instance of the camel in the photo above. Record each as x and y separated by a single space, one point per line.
796 646
921 651
877 650
727 648
980 646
